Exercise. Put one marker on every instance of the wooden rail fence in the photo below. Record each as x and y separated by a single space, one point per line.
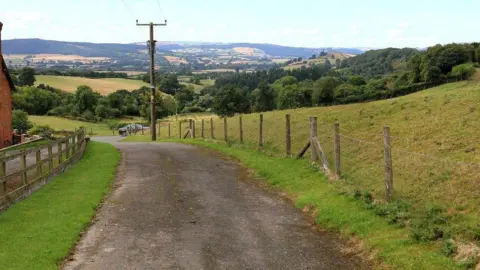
26 171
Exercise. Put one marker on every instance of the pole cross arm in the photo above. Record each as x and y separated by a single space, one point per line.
154 24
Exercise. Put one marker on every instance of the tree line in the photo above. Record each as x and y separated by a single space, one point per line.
375 75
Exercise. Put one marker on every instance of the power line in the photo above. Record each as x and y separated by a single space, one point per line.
161 9
128 9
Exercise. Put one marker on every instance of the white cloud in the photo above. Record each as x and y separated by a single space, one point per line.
22 19
402 25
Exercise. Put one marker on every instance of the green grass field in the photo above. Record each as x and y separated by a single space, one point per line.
435 148
59 123
103 86
38 232
197 88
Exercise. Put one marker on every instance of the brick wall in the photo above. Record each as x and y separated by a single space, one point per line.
5 110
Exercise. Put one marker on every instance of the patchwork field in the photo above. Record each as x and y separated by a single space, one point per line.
103 86
56 57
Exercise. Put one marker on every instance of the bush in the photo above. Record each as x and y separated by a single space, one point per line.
44 131
429 226
20 120
88 115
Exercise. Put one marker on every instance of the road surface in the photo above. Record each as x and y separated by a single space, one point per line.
179 207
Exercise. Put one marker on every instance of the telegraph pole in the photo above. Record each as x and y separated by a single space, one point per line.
153 112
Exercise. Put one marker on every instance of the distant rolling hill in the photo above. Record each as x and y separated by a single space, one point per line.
40 46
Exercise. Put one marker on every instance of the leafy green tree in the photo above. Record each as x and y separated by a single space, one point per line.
477 54
88 115
205 101
264 98
356 80
338 63
85 98
432 74
102 111
26 77
168 84
290 97
463 71
20 120
230 100
287 80
345 90
323 90
184 96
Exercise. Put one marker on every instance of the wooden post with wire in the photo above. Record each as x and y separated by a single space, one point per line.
203 128
151 46
260 132
211 128
180 129
336 147
169 130
240 123
193 129
387 145
225 134
288 138
313 134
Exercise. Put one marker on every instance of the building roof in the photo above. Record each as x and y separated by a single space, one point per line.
7 74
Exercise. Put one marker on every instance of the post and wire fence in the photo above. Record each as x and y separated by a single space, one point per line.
375 161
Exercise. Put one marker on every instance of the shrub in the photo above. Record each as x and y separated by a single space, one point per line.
88 115
44 131
429 226
20 120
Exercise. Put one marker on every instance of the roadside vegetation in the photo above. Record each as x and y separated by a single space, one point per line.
38 232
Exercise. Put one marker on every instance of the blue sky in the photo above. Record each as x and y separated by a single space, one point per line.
310 23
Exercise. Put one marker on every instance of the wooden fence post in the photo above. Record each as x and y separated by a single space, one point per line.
38 162
180 129
203 128
193 129
240 122
288 138
336 146
23 166
169 130
74 145
260 132
67 148
225 134
211 128
50 157
313 134
159 125
388 163
3 173
60 154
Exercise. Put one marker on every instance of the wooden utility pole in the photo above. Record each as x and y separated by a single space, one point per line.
151 45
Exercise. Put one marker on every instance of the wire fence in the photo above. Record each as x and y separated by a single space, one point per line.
419 179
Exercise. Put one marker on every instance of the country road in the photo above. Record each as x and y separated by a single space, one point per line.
179 207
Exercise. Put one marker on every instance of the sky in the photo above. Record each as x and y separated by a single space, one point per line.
300 23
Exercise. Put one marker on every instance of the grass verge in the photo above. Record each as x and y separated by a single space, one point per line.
38 232
389 244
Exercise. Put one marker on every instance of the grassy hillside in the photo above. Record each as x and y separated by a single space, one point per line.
103 86
435 148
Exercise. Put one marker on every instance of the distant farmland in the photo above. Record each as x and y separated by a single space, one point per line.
103 86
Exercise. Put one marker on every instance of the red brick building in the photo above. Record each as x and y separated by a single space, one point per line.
6 88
